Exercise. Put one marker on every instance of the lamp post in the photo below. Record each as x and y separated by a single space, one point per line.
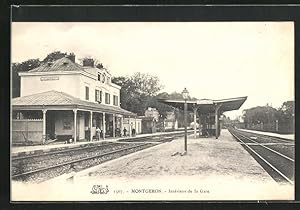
185 95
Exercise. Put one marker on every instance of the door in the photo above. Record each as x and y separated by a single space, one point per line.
50 124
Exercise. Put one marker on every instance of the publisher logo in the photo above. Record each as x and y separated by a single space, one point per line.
98 189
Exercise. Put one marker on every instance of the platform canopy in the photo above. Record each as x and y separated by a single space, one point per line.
207 106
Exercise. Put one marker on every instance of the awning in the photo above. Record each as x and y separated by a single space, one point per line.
206 106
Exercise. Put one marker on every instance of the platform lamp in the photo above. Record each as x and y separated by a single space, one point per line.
185 95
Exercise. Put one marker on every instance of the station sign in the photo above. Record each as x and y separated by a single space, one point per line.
205 101
49 78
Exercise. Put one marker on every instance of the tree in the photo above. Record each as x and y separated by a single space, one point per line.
287 110
176 96
92 61
261 117
138 91
269 115
21 67
146 84
129 98
28 65
287 117
51 57
260 114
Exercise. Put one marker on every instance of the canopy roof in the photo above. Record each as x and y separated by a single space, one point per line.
206 106
55 100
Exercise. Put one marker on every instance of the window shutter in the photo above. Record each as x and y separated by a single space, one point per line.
87 93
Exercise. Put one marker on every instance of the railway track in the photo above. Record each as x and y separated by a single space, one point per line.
41 167
51 171
158 139
22 165
275 155
29 156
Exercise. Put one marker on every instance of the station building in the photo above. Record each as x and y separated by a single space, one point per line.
130 123
171 123
62 100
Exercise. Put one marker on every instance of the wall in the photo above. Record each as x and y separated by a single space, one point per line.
32 129
69 115
59 118
64 82
135 124
283 127
73 84
169 124
92 82
148 126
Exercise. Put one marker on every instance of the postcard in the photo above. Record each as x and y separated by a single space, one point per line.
152 111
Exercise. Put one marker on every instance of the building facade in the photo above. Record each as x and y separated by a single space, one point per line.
148 124
171 123
67 100
132 123
152 112
84 82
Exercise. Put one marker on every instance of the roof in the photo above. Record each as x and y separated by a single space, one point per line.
56 100
62 64
207 105
144 118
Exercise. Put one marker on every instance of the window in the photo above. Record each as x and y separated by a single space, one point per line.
99 77
116 103
107 98
87 91
103 78
98 95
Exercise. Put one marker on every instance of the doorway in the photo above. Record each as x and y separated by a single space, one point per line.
50 124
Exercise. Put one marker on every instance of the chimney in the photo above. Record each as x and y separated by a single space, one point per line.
71 56
99 66
88 62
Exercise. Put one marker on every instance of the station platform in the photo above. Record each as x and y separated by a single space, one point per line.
205 156
221 166
283 136
26 150
213 169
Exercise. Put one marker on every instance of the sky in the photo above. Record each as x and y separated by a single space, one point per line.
213 60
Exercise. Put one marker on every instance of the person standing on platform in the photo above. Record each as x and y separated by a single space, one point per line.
98 133
125 132
133 132
101 134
